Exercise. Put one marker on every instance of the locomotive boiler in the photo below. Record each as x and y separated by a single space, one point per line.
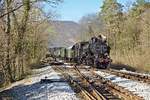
94 52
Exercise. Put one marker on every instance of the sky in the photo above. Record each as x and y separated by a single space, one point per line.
74 10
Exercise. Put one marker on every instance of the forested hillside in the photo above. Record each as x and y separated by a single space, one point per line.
66 33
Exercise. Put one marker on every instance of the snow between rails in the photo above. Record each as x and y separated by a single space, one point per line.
140 89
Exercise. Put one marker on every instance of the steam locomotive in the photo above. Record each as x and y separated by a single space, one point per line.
94 52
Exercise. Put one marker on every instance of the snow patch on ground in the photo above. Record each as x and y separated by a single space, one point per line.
32 89
140 89
126 71
66 63
68 66
87 67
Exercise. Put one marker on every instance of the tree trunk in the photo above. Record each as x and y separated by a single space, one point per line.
8 36
21 34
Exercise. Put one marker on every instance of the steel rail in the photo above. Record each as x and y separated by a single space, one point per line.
102 94
132 76
95 90
118 90
115 89
86 94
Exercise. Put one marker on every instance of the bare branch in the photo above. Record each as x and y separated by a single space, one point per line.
52 2
11 11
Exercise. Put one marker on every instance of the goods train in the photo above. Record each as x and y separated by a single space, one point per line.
94 52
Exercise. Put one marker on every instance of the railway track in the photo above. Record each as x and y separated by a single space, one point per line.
105 89
127 74
120 91
115 89
130 75
85 85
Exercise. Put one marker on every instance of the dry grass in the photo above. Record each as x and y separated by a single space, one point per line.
139 61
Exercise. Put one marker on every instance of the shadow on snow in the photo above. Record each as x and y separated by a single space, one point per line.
36 91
